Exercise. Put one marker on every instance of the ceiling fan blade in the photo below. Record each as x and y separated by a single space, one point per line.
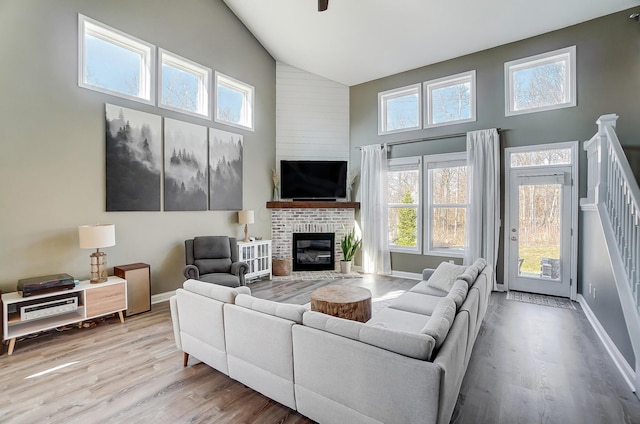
322 5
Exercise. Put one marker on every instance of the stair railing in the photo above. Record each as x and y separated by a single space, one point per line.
612 187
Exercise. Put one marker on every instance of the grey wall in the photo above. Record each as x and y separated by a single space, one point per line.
597 274
52 160
608 62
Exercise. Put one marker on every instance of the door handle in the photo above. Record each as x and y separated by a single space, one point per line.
514 238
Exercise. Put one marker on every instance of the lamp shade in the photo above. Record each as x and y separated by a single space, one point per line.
97 236
245 217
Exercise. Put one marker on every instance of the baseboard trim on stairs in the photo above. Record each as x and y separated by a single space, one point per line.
621 363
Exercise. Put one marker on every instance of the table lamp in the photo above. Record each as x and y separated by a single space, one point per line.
246 218
97 237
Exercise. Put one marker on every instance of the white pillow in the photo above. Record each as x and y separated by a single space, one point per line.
445 275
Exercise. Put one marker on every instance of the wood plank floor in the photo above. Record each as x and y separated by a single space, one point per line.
531 364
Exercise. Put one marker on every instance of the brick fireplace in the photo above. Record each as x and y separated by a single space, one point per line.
288 218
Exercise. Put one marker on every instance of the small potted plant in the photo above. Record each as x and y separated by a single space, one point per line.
349 244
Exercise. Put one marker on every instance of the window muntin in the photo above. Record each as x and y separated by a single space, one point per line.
399 110
447 204
113 62
404 204
547 157
234 102
184 85
450 100
543 82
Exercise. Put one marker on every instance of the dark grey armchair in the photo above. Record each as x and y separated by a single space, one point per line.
214 259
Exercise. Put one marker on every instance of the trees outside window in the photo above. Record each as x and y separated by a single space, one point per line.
403 194
542 82
447 204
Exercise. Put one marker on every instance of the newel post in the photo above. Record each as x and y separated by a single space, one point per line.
603 156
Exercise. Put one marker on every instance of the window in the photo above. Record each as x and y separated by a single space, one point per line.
405 211
545 157
113 62
447 204
184 85
234 102
399 110
450 100
543 82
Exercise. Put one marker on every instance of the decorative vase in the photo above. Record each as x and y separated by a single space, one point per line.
345 267
348 194
276 194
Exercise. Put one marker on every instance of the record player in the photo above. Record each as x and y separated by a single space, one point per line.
45 284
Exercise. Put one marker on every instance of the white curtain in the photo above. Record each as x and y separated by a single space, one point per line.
483 224
376 258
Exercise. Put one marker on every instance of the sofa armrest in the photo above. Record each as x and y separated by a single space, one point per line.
240 269
191 272
173 302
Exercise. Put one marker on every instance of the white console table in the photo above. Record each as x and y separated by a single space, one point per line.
258 255
94 300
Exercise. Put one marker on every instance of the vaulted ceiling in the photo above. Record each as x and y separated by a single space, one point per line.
355 41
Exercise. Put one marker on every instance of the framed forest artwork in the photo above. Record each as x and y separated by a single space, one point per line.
134 159
185 166
225 170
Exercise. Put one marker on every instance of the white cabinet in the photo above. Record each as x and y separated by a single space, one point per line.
26 315
258 255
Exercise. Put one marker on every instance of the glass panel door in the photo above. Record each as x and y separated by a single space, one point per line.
540 232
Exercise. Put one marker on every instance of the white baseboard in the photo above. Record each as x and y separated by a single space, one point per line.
621 363
161 297
409 275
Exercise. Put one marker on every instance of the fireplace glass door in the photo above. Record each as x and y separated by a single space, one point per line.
313 251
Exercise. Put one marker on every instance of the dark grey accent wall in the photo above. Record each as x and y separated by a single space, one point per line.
52 162
597 274
608 64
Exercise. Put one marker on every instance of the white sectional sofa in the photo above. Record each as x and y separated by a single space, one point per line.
405 365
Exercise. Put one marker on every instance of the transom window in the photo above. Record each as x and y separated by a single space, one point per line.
399 110
546 157
405 211
450 100
184 85
113 62
447 204
234 102
542 82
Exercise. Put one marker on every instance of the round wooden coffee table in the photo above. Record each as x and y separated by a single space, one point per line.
347 302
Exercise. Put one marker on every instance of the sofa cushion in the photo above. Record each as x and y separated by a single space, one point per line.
417 303
222 279
220 293
440 322
418 346
280 310
207 266
445 275
458 292
424 288
396 319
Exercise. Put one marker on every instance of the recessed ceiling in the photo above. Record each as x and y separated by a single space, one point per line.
356 41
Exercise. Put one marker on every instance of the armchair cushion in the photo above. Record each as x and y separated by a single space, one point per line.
207 266
211 247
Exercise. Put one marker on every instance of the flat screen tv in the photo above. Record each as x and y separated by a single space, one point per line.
313 179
